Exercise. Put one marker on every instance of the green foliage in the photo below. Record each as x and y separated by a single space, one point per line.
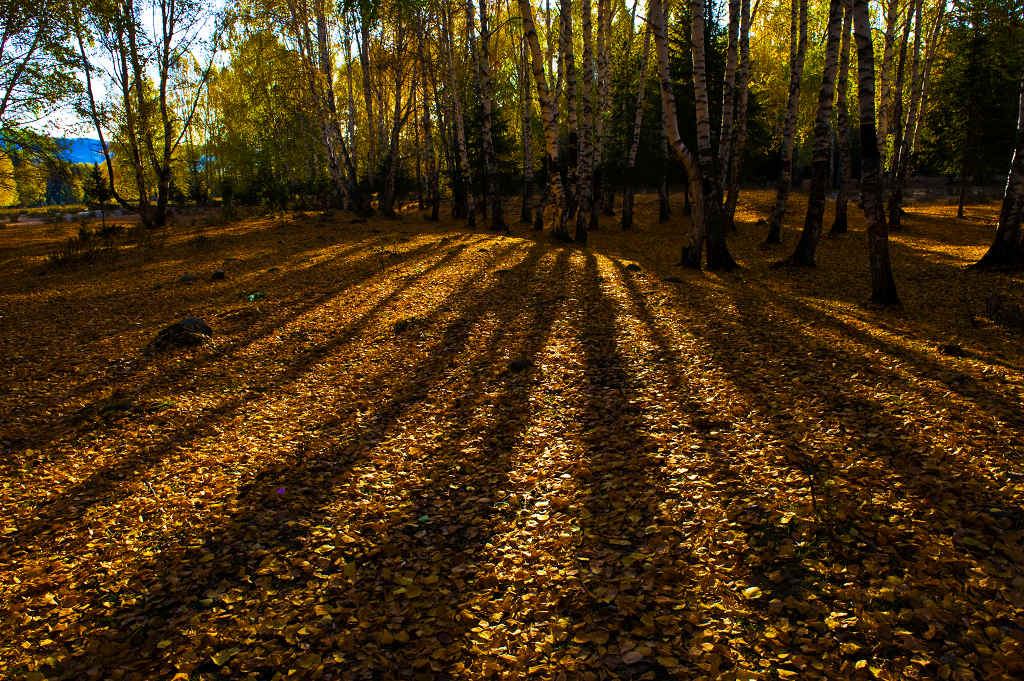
971 122
96 187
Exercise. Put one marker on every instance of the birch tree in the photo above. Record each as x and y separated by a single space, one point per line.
883 286
797 53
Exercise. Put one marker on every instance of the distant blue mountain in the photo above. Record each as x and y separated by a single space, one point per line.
81 150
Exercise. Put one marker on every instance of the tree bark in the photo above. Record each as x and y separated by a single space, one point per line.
433 183
729 99
364 62
739 141
692 251
919 85
547 108
526 122
840 224
603 194
586 123
568 65
883 286
482 57
811 234
711 212
889 39
797 52
638 117
469 209
897 102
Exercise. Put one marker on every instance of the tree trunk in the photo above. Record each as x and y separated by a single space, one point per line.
729 99
797 52
602 192
1008 248
421 197
460 125
482 59
527 131
664 205
888 174
739 141
711 209
692 251
433 184
811 234
568 66
586 122
919 85
891 16
883 287
364 62
840 223
547 108
634 147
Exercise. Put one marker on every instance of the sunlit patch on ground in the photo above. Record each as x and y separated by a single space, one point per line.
429 453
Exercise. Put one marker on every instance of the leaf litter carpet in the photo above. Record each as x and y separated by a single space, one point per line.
436 454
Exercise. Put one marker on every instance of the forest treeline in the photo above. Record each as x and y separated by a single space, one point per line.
569 106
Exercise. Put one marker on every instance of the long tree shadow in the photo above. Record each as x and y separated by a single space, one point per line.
90 417
629 561
727 505
264 525
859 534
77 498
459 500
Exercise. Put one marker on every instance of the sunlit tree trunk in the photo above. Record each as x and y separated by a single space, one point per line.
469 209
364 62
919 87
567 65
1008 247
883 287
840 222
351 122
603 194
547 108
729 98
711 210
693 250
482 59
896 122
885 106
433 184
585 187
797 52
634 147
811 234
739 140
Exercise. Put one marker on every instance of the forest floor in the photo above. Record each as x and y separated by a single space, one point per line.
426 452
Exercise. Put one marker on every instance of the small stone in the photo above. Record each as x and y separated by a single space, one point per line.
184 334
403 325
188 278
218 275
633 267
951 350
518 365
